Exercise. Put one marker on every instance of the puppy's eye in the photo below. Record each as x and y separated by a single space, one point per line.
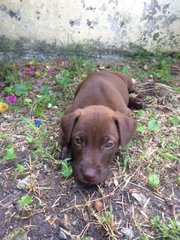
109 144
77 141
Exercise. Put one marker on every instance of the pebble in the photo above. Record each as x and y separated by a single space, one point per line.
145 67
74 223
128 233
151 79
140 197
17 115
62 235
23 183
46 168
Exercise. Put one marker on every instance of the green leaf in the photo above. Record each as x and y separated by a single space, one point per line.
20 168
28 85
9 153
169 155
22 89
140 127
8 89
63 78
126 160
25 200
175 120
30 139
153 125
62 81
44 89
177 180
125 69
66 169
154 180
38 111
155 221
65 73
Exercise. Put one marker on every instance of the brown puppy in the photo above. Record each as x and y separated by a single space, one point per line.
96 123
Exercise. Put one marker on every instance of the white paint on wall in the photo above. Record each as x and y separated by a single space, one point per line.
121 24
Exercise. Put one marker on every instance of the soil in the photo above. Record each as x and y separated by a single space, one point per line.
62 208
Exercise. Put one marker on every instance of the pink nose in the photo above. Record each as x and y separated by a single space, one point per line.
89 174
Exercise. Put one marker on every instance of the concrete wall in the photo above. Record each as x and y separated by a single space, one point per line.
121 24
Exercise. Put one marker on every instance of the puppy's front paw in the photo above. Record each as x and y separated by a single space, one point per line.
138 102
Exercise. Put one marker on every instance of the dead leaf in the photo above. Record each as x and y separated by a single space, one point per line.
98 206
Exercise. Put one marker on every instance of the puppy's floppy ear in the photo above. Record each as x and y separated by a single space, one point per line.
126 127
68 122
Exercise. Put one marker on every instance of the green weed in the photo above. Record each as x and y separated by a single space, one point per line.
108 222
79 65
10 152
20 168
170 230
140 127
153 181
169 156
153 125
25 200
63 78
175 120
37 139
66 169
8 74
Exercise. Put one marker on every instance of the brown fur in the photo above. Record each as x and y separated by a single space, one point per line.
96 123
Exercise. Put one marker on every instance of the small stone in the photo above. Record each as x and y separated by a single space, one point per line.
153 60
98 206
102 67
145 67
116 183
62 235
46 168
128 233
151 78
23 183
140 197
74 223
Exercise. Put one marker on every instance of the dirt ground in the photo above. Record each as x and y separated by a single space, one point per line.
125 205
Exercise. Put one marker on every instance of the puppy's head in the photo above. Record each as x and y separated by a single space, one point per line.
94 134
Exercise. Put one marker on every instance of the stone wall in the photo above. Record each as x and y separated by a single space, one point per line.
109 24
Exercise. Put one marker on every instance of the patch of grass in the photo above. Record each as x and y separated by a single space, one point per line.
157 66
8 73
108 222
37 139
9 152
66 169
175 120
140 128
170 230
153 125
20 168
77 66
63 78
41 103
